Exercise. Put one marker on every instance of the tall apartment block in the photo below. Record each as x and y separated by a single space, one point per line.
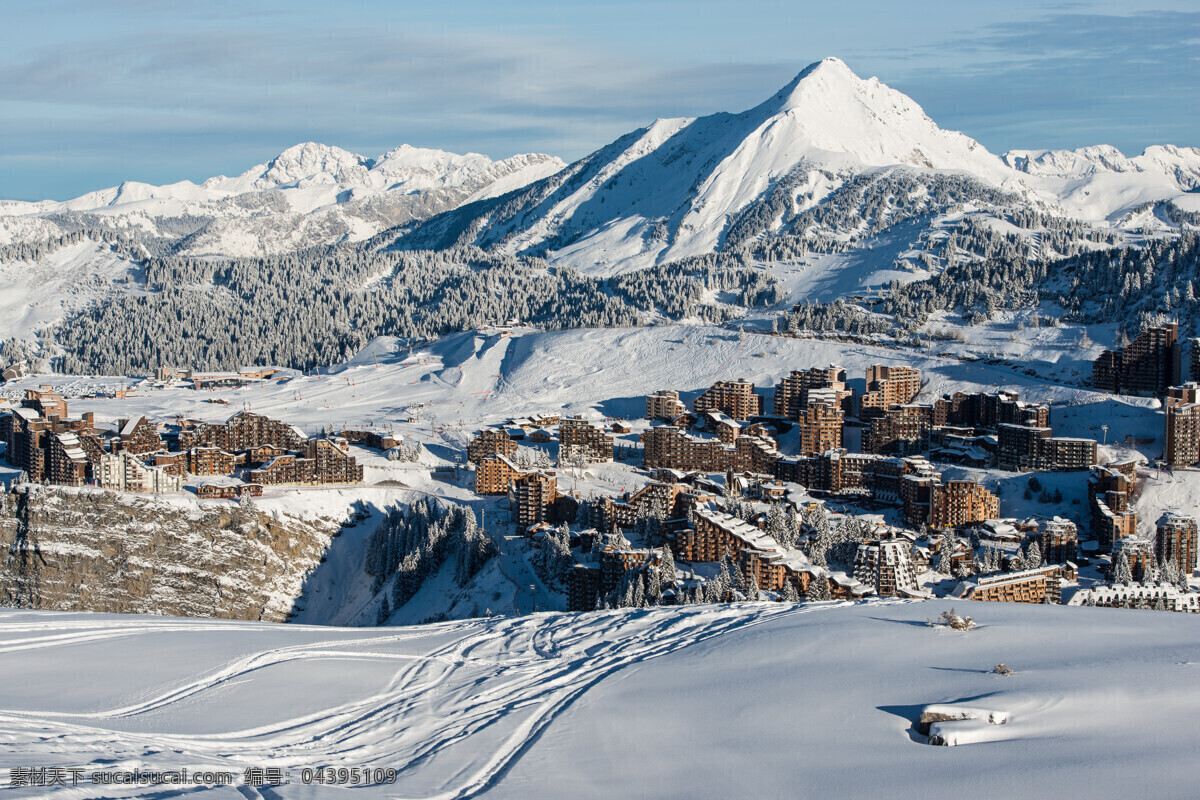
735 398
820 428
887 386
583 437
1175 540
531 497
1058 539
792 392
489 443
664 404
1147 366
1181 422
955 503
1109 488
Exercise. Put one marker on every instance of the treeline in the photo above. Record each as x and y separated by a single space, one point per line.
413 543
320 306
35 251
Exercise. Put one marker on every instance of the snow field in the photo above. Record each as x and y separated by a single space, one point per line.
753 699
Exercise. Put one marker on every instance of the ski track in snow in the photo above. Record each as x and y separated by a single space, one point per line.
452 719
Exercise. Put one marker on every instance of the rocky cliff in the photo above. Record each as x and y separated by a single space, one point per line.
93 550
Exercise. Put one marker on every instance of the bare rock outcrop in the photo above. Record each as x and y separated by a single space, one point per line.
87 549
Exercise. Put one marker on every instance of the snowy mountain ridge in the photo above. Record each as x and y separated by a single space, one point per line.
310 194
676 188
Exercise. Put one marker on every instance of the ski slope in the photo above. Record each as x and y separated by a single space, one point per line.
749 700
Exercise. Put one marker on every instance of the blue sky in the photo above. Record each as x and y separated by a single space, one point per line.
96 92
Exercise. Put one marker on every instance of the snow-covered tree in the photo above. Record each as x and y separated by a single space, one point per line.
789 593
1122 572
818 587
752 592
666 568
1033 555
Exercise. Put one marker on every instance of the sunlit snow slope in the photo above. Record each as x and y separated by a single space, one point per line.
750 700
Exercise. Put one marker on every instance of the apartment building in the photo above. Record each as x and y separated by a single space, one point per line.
755 454
1109 490
835 472
575 434
591 582
735 398
820 426
1058 540
139 436
66 462
213 491
1039 585
1175 541
899 430
1138 551
31 445
664 405
321 462
215 461
887 565
1146 366
125 472
243 431
792 392
1066 453
955 503
1022 447
531 497
1018 446
668 446
1181 422
490 442
715 533
1138 596
494 474
888 386
45 402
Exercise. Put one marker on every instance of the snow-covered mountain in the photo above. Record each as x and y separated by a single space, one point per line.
679 186
310 194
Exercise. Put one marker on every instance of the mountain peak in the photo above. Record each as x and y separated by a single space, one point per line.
829 76
313 162
832 113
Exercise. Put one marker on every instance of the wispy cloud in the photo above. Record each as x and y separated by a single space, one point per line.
1069 79
134 91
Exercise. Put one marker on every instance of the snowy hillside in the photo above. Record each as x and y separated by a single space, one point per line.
753 700
310 194
679 187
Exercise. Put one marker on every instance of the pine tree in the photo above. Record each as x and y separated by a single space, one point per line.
654 590
666 568
385 611
752 593
1033 555
777 527
789 594
818 587
740 583
1122 573
1168 572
